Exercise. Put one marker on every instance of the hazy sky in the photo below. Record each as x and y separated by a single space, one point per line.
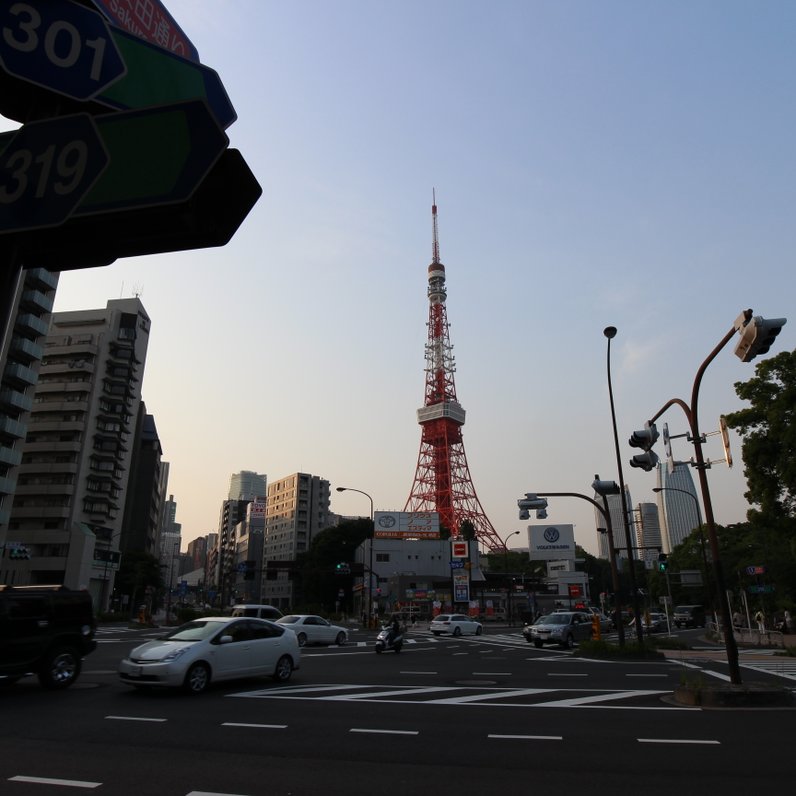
595 163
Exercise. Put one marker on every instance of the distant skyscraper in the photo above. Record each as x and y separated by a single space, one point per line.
679 513
247 485
648 532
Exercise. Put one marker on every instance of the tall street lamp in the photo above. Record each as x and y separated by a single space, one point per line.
370 547
506 572
610 333
603 488
701 533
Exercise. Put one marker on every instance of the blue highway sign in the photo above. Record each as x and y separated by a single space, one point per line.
60 46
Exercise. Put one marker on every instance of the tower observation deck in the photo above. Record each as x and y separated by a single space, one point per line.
442 479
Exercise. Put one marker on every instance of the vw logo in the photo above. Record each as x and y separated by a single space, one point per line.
551 534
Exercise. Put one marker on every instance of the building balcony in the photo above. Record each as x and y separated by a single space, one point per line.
12 428
25 350
41 278
36 301
30 323
19 375
15 401
9 457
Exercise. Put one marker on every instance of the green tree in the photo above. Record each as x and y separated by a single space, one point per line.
768 429
137 572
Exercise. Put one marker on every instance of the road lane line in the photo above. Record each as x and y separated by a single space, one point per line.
384 732
69 783
678 740
567 674
527 737
133 718
256 726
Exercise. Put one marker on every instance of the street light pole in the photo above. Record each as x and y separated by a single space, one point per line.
610 333
506 572
620 629
370 549
701 536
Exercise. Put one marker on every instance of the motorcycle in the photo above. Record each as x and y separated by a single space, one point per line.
386 641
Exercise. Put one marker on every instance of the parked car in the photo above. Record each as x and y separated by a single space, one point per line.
560 627
455 624
212 649
312 629
47 631
652 623
258 611
689 616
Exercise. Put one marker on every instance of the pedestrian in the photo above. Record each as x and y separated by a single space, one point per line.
737 620
788 622
760 618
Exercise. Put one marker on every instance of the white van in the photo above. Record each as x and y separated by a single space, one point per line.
259 611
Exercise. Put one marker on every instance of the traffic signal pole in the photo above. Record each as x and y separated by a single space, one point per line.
693 422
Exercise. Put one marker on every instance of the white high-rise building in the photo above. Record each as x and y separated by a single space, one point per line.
678 506
648 533
615 512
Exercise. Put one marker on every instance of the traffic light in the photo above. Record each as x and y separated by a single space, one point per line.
663 564
757 336
604 488
532 502
343 568
645 439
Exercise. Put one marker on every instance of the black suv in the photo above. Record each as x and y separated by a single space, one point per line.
45 630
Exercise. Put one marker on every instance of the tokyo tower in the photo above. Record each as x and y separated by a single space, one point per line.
442 479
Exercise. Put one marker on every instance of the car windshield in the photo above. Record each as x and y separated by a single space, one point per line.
442 618
554 619
197 630
288 620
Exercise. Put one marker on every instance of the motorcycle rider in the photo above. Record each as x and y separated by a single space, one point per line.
395 630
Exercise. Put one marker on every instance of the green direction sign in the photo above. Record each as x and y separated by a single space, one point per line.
157 77
157 156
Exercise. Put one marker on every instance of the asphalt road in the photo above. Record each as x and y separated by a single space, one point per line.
445 716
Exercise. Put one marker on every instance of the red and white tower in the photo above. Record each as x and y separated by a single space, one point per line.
442 479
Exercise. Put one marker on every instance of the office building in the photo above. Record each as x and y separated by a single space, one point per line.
678 506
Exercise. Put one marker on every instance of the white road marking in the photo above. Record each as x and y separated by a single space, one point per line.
528 737
255 726
492 674
69 783
385 732
133 718
567 674
645 675
678 740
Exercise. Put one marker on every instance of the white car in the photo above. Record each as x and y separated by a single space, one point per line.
313 629
211 649
455 624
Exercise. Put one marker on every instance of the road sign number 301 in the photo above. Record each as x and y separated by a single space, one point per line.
63 44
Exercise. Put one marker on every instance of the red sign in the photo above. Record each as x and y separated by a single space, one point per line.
149 20
460 550
574 590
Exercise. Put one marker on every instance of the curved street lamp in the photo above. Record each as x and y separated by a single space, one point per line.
610 333
370 548
701 536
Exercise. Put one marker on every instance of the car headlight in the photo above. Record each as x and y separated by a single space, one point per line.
175 654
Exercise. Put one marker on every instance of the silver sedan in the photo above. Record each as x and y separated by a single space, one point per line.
313 629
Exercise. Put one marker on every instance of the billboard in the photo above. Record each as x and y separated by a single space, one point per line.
406 524
551 542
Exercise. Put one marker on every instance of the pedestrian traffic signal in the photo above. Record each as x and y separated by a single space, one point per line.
757 336
645 439
663 564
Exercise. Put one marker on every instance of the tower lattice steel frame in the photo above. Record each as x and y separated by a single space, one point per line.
442 479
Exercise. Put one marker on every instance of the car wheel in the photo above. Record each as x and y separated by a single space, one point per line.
197 678
538 644
457 631
60 669
569 642
284 669
302 639
435 632
478 630
340 640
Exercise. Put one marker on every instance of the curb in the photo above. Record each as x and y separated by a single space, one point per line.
734 696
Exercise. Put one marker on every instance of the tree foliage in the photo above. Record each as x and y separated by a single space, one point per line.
768 429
